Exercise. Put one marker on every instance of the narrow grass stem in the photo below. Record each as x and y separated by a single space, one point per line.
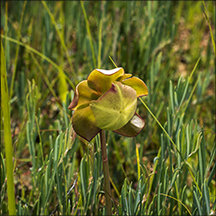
160 126
89 32
179 201
7 136
17 51
6 27
150 188
138 162
106 173
209 24
61 38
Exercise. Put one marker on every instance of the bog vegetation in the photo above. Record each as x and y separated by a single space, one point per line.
47 48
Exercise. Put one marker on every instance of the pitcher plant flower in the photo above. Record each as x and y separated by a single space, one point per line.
107 100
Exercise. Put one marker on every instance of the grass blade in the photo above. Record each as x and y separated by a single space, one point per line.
61 37
29 48
138 162
17 51
100 43
160 126
171 97
197 203
89 33
212 174
212 37
206 197
83 176
7 135
182 198
158 199
177 201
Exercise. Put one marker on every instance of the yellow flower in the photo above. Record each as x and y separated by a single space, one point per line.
107 100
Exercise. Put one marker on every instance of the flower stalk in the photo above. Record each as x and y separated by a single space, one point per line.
106 173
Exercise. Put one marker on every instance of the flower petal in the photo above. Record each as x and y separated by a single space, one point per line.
84 123
115 108
101 80
125 76
133 127
83 96
137 84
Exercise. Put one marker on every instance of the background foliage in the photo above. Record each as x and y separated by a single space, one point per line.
51 46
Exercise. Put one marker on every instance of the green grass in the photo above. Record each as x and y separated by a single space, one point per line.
49 47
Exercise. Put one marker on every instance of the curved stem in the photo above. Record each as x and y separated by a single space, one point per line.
106 173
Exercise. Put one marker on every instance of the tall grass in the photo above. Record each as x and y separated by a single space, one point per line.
169 168
7 136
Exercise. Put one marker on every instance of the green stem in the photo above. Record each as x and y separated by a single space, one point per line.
17 51
7 136
150 188
106 173
89 32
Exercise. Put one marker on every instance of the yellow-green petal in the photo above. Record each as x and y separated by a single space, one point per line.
83 96
133 127
101 80
125 76
84 123
115 108
137 84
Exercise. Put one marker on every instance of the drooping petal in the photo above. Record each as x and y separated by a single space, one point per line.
125 76
83 96
84 123
137 84
133 127
115 108
101 80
